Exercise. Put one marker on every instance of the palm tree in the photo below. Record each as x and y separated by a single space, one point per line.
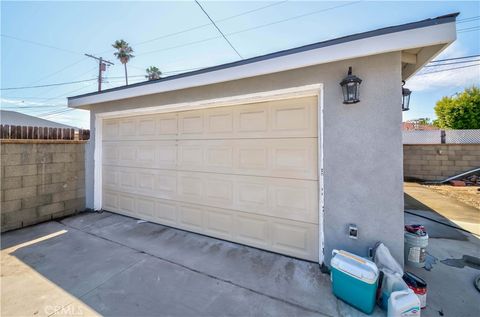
124 54
153 73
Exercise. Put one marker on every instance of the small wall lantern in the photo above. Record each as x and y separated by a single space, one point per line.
351 88
405 97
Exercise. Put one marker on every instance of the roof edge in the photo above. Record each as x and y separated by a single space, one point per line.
349 38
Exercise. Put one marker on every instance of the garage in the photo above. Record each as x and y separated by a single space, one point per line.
271 151
246 173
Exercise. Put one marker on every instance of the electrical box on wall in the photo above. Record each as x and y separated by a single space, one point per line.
353 231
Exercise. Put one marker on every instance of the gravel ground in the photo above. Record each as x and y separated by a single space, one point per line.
469 195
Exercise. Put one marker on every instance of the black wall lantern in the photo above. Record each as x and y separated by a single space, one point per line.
405 97
351 88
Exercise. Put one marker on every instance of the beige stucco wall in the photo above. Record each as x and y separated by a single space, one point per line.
362 145
40 181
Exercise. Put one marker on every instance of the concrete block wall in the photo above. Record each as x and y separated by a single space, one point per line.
439 161
40 181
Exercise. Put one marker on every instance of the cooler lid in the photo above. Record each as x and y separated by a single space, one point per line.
358 267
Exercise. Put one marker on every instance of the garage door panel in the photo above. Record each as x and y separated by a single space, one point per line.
159 126
165 184
190 124
284 236
282 198
294 118
219 223
146 127
110 200
127 127
274 119
291 158
190 217
251 120
126 203
151 154
166 212
245 173
110 129
219 190
219 122
145 206
253 230
294 238
190 187
167 126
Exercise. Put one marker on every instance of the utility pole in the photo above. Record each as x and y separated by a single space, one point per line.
102 66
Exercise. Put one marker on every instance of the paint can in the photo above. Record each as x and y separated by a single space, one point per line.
418 286
416 242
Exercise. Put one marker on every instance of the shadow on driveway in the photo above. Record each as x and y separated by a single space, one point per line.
114 265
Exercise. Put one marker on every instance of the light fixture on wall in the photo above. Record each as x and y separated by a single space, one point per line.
405 97
351 88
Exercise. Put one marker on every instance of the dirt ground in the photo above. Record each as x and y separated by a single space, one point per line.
469 195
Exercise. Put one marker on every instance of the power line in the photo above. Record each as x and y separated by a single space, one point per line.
469 19
220 31
250 11
468 29
295 17
24 97
452 63
445 70
207 24
30 107
58 71
252 28
49 85
454 58
181 45
55 113
54 87
39 44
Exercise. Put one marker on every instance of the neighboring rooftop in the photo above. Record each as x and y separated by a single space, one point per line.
418 41
17 118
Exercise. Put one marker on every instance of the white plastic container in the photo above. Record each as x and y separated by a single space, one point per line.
415 249
391 283
403 303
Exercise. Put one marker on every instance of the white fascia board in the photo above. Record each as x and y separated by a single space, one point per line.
444 33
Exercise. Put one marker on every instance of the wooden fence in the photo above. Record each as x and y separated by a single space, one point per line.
42 133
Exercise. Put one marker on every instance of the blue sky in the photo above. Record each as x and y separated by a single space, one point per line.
67 30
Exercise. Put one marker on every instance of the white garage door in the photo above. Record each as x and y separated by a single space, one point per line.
245 173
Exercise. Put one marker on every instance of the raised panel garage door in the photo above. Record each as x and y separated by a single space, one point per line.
245 173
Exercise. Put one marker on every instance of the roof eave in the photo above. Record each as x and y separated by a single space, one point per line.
434 34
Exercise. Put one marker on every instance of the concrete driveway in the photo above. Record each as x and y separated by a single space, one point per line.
453 260
114 265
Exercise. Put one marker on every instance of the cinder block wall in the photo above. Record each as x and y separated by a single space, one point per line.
41 181
439 161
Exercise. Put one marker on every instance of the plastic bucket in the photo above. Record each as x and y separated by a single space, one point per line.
415 249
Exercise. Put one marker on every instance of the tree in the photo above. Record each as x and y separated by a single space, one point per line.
422 121
461 111
124 54
153 73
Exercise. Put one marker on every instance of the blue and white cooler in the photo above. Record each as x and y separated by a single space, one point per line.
354 280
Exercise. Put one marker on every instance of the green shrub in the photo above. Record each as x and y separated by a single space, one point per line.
461 111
